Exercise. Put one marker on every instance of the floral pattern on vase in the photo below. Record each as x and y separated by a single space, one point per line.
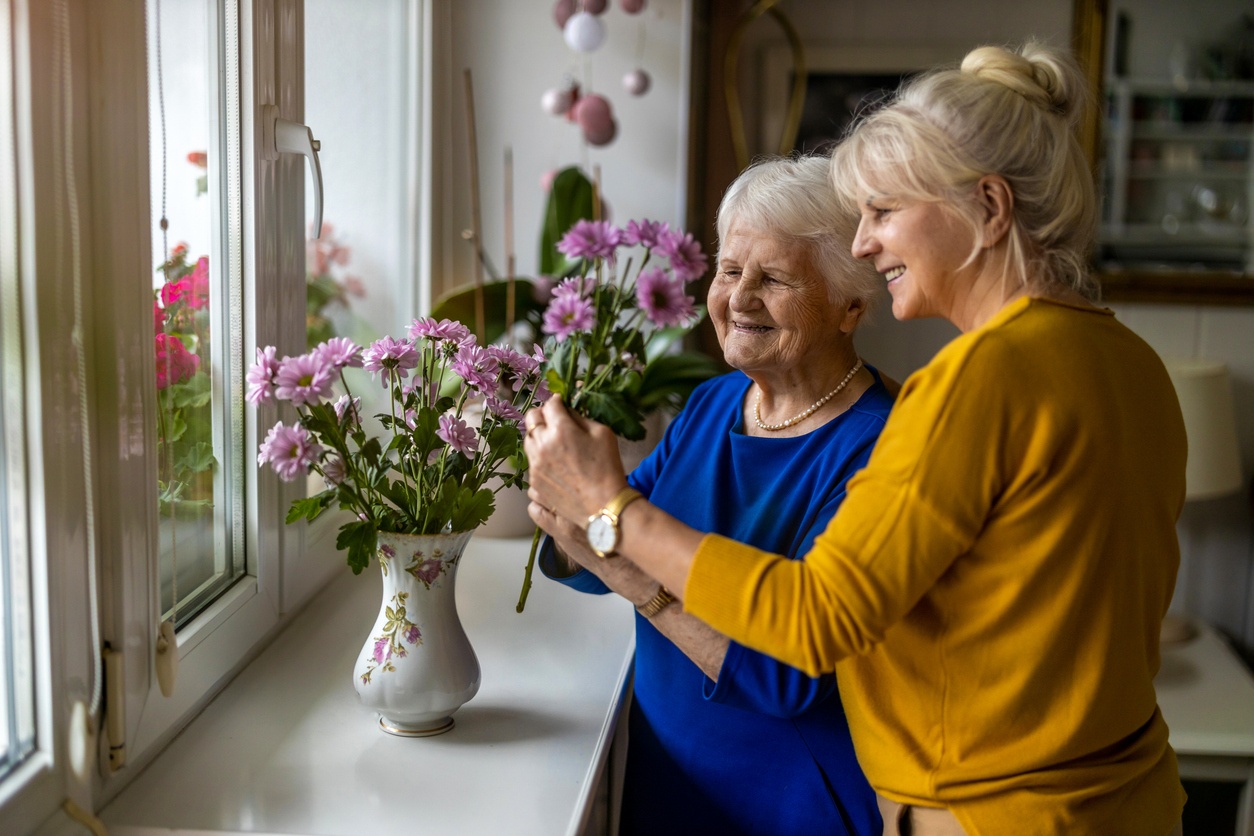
417 666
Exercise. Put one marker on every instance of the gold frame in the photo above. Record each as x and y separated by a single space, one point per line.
1088 40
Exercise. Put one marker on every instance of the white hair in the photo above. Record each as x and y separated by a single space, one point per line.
792 198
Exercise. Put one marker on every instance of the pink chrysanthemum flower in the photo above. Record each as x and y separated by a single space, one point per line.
579 287
306 379
662 298
684 252
174 362
590 240
502 408
260 376
340 352
645 233
458 435
388 355
333 471
445 329
567 315
353 407
289 450
477 367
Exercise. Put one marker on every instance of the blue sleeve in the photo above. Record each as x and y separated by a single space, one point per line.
756 682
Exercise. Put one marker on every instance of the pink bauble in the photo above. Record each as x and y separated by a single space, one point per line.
557 101
600 133
593 109
584 32
636 82
547 178
632 7
594 7
562 10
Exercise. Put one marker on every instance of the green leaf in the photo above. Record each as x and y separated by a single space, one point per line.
196 391
670 379
570 200
472 509
197 459
615 411
310 507
358 538
459 304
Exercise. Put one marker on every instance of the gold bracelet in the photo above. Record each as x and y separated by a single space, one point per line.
657 603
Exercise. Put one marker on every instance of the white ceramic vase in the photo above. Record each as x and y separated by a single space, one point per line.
417 666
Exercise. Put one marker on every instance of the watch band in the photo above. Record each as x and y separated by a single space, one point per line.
620 501
657 603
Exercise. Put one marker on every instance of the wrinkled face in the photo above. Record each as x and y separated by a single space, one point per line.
920 249
771 308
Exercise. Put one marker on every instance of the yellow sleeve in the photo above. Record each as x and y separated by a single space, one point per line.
919 504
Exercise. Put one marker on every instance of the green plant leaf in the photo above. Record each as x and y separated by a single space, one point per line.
197 459
459 304
472 508
669 380
310 507
358 539
194 392
615 411
570 200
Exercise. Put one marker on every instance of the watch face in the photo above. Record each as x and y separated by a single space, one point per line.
602 535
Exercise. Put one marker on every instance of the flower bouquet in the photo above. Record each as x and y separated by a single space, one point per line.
426 474
608 327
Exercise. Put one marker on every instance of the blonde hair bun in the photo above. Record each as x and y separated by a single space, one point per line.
1034 71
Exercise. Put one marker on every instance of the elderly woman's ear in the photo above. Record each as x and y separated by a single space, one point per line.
854 309
998 202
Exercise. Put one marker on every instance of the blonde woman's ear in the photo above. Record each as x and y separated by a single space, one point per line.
998 201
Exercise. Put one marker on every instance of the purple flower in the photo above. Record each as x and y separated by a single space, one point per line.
644 233
353 409
590 240
389 355
289 450
684 253
427 572
260 376
566 315
504 409
333 471
381 652
306 379
541 290
387 551
340 352
662 298
579 287
458 435
477 367
413 635
445 329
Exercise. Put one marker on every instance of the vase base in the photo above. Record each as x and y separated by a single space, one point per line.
424 730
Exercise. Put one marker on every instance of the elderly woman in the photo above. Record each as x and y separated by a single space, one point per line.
991 589
724 739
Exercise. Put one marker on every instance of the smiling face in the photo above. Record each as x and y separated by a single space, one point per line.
772 310
921 249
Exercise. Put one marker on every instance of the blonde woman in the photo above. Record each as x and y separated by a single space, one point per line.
991 589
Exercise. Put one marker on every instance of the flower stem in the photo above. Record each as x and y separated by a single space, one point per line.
531 562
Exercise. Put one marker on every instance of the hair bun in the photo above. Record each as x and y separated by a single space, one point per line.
1046 77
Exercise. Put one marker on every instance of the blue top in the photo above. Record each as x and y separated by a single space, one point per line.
765 749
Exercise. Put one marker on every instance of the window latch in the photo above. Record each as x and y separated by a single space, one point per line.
280 136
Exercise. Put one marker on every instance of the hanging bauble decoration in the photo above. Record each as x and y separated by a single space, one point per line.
596 120
584 32
594 7
632 7
557 100
636 82
562 10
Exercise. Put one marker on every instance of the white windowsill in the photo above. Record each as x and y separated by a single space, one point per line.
287 747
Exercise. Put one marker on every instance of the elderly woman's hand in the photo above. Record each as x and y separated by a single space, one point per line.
575 465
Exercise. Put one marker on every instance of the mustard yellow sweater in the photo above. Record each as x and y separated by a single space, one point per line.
993 584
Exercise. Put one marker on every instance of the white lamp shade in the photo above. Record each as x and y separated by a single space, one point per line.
1205 393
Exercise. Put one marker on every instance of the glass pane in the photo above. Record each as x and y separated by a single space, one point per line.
194 138
17 682
360 72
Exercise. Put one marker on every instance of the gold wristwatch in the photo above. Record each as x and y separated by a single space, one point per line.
602 528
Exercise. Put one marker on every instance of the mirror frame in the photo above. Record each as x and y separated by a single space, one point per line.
1088 40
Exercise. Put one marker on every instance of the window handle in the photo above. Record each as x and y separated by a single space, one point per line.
283 137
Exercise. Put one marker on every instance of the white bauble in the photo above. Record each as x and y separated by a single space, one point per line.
584 32
636 82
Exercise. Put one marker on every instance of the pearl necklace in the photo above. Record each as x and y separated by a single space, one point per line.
810 410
